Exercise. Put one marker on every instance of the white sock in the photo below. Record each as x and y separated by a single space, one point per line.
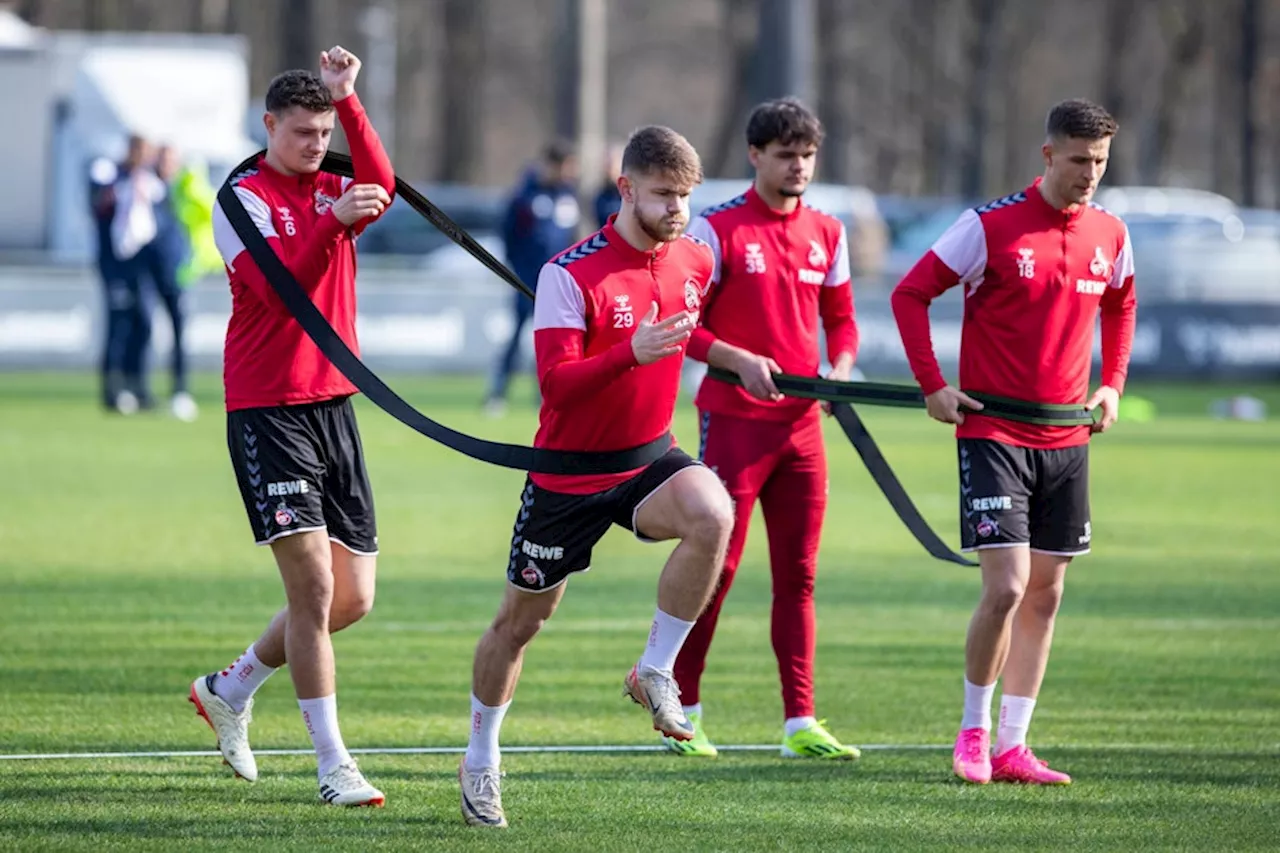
665 639
1015 719
236 684
321 718
977 706
482 748
795 724
695 708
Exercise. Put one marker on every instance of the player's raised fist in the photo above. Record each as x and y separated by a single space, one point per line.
338 70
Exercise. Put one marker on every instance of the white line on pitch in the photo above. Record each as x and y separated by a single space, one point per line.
434 750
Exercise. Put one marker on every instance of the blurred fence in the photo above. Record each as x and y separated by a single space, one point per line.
410 320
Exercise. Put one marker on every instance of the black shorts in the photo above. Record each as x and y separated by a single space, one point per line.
555 532
301 468
1024 496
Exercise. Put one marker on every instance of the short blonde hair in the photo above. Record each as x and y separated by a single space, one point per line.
657 149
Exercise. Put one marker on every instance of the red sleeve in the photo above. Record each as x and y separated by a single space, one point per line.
1119 313
835 304
563 374
369 160
308 267
700 341
925 282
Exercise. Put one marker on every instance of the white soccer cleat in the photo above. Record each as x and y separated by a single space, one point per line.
481 796
231 728
657 691
345 785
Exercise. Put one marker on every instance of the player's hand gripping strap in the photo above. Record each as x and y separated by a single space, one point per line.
537 460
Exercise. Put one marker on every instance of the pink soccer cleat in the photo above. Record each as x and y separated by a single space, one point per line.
1021 765
971 760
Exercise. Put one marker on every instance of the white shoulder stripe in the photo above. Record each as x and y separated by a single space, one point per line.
560 303
224 235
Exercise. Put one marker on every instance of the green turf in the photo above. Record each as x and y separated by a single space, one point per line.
128 569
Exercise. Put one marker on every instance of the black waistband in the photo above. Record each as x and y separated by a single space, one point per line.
909 396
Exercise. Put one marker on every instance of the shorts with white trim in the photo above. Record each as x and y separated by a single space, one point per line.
301 468
555 532
1012 495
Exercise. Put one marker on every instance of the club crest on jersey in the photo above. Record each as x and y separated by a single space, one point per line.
692 295
1027 263
1099 266
755 259
817 255
533 575
987 528
323 203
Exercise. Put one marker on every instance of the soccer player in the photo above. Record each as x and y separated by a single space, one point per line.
1037 268
611 321
291 428
781 274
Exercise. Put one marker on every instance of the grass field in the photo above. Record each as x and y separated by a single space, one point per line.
128 569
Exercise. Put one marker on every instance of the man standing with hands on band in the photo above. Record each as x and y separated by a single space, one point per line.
291 428
782 272
1038 267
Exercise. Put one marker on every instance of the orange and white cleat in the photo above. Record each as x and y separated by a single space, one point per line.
657 692
231 728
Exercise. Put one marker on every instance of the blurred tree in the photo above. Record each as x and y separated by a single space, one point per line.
462 107
1250 43
739 28
295 26
1183 25
984 47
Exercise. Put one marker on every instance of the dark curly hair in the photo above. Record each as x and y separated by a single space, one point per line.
785 120
298 88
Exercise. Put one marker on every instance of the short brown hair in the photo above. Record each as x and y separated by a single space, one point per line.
298 88
1077 118
660 149
785 120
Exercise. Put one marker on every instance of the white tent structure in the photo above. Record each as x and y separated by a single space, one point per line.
76 97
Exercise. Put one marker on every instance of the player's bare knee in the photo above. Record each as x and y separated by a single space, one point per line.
350 609
1043 601
516 629
1002 596
310 605
707 526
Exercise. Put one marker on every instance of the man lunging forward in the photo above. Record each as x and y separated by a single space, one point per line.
1037 267
291 429
782 271
611 320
